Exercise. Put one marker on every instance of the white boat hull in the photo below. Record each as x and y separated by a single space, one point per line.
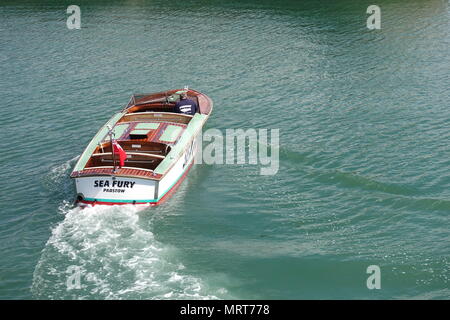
111 190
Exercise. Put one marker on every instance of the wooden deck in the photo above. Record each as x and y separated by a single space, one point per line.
155 130
154 134
120 172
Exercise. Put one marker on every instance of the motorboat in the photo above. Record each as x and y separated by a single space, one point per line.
143 153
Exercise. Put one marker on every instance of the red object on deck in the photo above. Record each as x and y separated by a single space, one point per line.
119 151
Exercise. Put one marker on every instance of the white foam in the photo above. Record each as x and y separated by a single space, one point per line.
57 181
117 258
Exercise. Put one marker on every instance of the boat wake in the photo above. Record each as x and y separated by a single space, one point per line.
106 253
319 170
57 181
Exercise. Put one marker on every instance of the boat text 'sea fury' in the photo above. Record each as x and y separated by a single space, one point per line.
142 153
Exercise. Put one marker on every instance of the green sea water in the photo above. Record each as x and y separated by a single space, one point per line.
364 119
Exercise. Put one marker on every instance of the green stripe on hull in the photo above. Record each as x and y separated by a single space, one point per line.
119 201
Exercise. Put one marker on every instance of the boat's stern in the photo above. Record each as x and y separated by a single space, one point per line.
111 190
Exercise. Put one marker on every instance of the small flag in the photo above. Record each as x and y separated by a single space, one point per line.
119 151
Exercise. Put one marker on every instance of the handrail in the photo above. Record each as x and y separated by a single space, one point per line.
111 167
154 100
156 117
131 153
159 112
